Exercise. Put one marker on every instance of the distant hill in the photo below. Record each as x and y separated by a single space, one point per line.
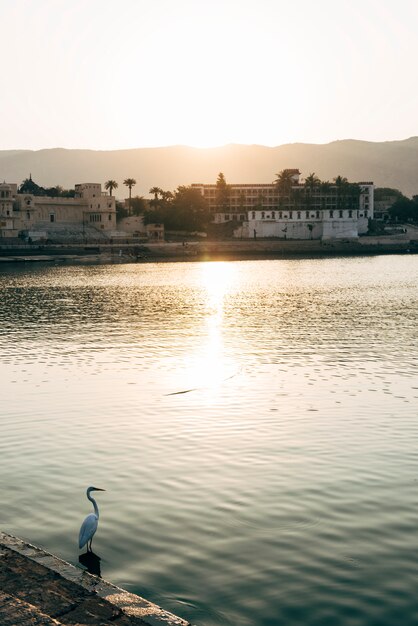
387 164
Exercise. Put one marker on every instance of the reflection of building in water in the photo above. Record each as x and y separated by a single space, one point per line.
317 210
27 211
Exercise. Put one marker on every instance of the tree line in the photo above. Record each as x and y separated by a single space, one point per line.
404 209
302 196
186 209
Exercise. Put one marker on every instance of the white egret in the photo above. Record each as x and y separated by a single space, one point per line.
89 526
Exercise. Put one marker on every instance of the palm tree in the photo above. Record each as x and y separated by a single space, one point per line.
312 182
110 185
129 182
157 191
284 182
326 189
166 197
341 184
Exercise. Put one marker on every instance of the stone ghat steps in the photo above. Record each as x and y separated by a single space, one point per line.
38 589
73 233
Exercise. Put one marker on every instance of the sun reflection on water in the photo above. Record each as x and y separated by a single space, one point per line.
212 365
217 279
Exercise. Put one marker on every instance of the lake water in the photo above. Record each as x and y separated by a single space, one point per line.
254 424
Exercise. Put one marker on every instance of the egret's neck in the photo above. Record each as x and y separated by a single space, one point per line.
96 508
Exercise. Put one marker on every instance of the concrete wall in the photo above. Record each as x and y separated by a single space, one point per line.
312 227
340 229
283 229
134 224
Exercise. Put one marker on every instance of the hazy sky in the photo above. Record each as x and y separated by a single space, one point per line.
108 74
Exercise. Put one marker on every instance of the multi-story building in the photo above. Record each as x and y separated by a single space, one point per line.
383 204
302 211
8 217
23 213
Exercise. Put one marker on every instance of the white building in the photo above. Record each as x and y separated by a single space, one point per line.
319 211
24 213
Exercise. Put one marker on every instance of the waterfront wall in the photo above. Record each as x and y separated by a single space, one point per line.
37 587
211 250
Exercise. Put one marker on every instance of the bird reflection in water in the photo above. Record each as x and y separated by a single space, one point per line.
91 561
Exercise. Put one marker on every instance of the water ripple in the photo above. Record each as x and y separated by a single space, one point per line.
253 423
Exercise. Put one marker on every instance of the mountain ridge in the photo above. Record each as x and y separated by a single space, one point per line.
387 164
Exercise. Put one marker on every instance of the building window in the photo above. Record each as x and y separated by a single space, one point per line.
299 215
253 215
366 213
290 215
317 215
350 214
226 218
52 217
307 215
340 213
273 215
280 215
331 213
110 217
27 215
263 215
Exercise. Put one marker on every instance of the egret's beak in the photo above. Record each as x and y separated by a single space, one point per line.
97 489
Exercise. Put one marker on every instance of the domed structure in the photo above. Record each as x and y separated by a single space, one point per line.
29 186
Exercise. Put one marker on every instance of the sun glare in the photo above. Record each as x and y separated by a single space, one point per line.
214 366
216 278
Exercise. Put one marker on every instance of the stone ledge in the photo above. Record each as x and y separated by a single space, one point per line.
37 588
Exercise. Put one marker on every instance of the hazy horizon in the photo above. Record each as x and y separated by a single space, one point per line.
207 148
107 76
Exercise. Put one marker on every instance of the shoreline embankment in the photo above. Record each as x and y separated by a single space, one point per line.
209 250
37 587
